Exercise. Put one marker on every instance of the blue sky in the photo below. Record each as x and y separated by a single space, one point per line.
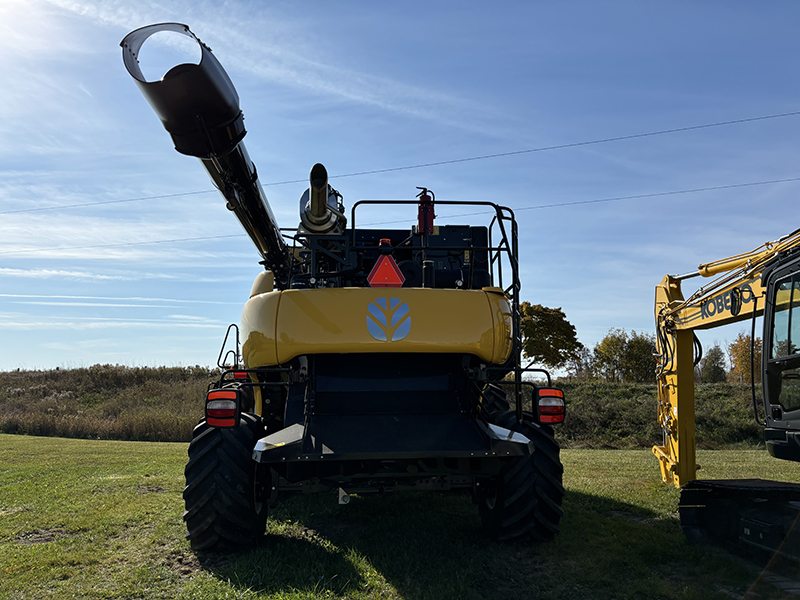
363 86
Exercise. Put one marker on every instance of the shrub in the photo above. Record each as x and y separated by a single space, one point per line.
105 402
620 415
165 403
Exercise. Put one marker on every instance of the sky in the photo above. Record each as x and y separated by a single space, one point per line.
116 249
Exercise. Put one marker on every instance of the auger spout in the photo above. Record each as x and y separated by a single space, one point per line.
199 107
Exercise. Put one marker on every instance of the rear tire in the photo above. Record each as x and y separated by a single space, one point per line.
524 502
222 512
494 399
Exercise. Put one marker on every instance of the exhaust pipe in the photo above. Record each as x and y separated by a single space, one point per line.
199 107
318 190
319 207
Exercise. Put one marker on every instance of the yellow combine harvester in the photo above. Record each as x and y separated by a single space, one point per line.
753 513
371 358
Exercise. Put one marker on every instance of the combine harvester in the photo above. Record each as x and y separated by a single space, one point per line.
371 358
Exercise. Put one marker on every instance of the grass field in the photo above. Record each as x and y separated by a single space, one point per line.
102 519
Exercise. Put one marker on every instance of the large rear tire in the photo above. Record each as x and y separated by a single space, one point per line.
222 513
494 399
524 502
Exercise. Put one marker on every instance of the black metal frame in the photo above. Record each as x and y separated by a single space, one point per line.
309 249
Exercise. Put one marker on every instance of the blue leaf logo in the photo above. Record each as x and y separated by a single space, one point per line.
388 319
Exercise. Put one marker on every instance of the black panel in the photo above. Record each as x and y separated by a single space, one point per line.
459 253
388 384
385 435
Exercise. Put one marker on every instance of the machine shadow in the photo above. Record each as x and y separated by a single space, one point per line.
419 545
286 563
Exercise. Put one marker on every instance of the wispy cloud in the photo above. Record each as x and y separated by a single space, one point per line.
92 304
14 323
274 49
194 319
117 299
50 273
119 238
103 344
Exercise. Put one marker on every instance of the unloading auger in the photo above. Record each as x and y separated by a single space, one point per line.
199 107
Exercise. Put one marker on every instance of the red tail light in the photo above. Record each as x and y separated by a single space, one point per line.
222 408
552 407
240 375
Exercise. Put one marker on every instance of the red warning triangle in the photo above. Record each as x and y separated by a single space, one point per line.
386 273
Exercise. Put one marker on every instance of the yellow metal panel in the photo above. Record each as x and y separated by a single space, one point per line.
676 414
258 329
720 308
362 320
265 282
503 325
675 392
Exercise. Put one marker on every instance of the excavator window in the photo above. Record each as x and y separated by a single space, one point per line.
786 323
783 366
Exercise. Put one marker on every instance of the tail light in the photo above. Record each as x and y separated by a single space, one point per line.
222 408
552 407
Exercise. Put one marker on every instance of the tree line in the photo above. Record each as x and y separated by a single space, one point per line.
712 368
548 338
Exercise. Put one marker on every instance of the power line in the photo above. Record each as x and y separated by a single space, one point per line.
616 198
657 194
518 209
44 208
561 146
439 163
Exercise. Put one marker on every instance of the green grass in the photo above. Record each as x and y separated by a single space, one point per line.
102 519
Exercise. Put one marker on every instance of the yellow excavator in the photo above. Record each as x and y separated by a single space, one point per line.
751 513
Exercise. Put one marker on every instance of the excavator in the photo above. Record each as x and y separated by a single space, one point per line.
368 361
751 515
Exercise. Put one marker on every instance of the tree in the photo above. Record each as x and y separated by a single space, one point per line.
622 357
739 352
608 355
639 361
712 366
547 337
582 366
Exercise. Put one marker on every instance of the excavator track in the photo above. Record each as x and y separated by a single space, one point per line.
754 517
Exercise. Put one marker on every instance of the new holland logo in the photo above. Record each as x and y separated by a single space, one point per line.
388 319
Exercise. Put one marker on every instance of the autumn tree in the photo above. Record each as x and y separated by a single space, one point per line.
608 355
639 360
739 352
712 365
547 337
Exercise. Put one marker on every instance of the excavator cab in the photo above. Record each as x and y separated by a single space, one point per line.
781 359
